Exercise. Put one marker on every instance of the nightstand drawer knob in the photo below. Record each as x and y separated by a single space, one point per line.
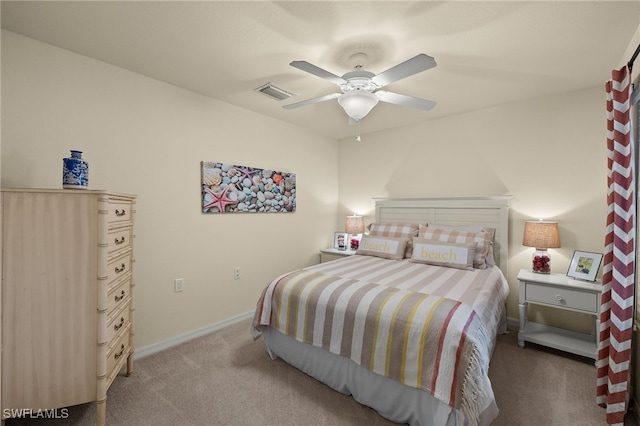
560 299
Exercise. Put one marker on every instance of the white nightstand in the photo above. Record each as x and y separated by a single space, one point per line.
333 254
561 292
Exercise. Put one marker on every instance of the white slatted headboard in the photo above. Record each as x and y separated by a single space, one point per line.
490 212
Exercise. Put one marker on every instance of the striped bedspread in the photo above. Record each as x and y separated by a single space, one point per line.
428 327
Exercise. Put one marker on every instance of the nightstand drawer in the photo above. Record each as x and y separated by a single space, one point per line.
559 292
562 297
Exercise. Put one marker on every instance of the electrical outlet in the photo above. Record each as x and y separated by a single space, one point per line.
178 285
236 273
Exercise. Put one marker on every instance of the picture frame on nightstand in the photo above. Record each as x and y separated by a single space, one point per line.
584 265
340 240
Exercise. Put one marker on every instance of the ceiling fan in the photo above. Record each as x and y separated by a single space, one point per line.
361 89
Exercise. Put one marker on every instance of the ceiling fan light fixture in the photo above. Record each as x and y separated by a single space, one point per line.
358 104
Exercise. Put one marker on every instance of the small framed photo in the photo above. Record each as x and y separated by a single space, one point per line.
340 240
584 265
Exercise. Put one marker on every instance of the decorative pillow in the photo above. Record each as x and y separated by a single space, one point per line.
396 230
439 253
470 228
480 238
386 247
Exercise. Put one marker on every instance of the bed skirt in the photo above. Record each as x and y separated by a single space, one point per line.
391 399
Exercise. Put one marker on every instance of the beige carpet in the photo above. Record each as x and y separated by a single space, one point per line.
226 378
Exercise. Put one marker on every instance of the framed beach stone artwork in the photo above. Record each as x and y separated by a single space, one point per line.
227 188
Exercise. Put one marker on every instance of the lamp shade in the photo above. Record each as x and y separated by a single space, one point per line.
355 225
541 235
358 104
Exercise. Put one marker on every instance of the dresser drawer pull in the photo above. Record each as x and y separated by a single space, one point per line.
560 298
119 354
119 297
120 213
119 326
119 241
120 269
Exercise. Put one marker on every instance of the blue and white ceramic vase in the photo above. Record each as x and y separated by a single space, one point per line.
75 171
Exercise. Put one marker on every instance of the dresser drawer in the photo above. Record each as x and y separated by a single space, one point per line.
562 297
118 267
118 295
119 211
118 354
117 322
119 239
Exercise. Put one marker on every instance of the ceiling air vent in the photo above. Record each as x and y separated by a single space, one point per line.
274 92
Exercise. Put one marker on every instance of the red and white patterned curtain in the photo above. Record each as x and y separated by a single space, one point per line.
616 312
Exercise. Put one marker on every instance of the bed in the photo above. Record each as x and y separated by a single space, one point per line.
408 324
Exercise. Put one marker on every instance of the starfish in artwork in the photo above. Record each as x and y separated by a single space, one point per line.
219 199
246 172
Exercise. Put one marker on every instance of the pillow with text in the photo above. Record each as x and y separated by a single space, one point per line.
452 255
385 247
481 239
396 230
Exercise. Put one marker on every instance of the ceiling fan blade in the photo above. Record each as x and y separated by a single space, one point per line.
312 101
404 100
317 71
407 68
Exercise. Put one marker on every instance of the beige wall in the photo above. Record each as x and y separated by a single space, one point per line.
146 137
548 153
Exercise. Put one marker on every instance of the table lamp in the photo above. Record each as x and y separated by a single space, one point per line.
542 235
355 229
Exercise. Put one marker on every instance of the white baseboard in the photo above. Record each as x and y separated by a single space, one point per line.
176 340
513 323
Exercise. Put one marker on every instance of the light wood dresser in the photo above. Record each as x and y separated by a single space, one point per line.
67 297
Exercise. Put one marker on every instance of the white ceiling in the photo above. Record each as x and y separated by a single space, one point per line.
488 52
